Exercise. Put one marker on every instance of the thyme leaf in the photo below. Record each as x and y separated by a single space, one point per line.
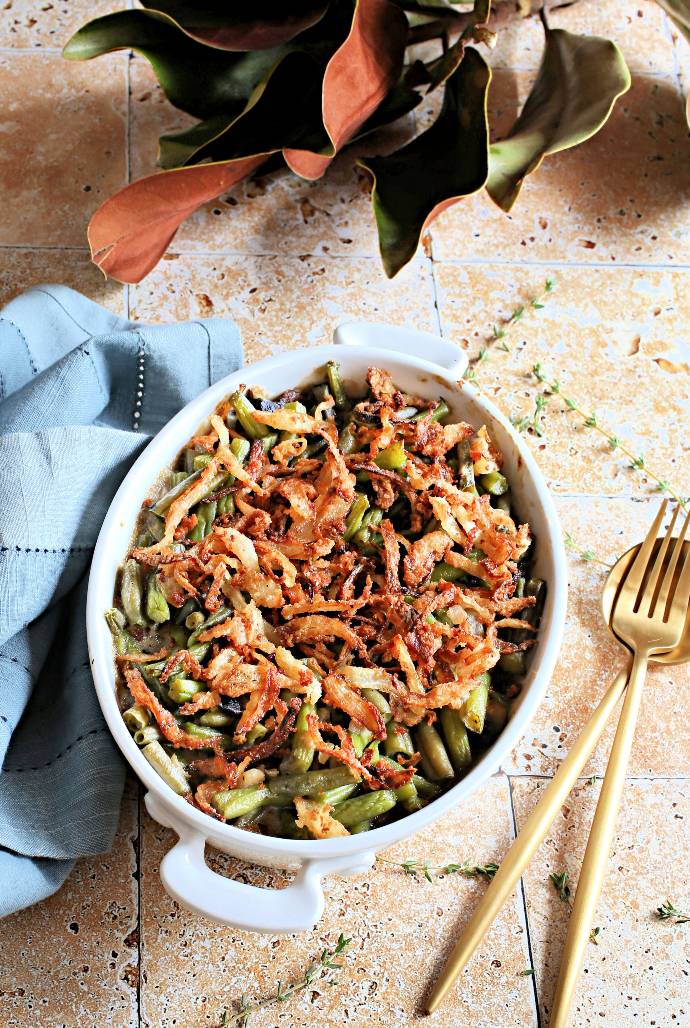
423 869
667 912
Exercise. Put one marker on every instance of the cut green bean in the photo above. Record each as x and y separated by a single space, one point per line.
245 412
494 483
162 503
439 411
353 521
405 793
157 609
169 768
269 441
310 783
496 715
136 717
378 700
364 808
447 573
335 384
473 709
398 740
361 739
392 458
429 790
347 440
513 664
131 593
216 718
362 826
122 640
143 736
457 741
430 745
222 614
181 690
232 803
336 795
302 753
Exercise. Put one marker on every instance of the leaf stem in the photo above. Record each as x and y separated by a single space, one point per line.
422 869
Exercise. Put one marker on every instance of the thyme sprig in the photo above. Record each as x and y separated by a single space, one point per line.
322 971
636 462
500 332
667 912
560 884
423 869
588 556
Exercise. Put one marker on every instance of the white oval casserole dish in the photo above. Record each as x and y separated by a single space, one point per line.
419 363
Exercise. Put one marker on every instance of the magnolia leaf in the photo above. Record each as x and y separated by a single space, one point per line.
261 25
679 13
448 161
283 110
441 68
579 80
357 78
130 232
202 81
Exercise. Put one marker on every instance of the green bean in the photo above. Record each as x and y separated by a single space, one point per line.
321 391
465 467
416 803
496 715
205 515
216 718
240 448
163 502
226 505
364 808
378 700
136 717
157 608
447 573
143 736
131 595
347 440
361 826
202 732
392 458
434 756
473 710
438 412
335 384
255 733
302 753
180 616
336 795
269 441
457 741
494 483
405 793
181 690
360 740
170 769
314 449
232 803
309 783
222 614
201 461
354 519
398 740
122 640
513 664
429 790
503 502
245 411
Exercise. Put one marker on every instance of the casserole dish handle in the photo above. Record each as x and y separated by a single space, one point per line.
400 339
296 908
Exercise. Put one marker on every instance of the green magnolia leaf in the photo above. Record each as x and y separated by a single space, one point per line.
284 110
579 80
258 25
197 79
443 164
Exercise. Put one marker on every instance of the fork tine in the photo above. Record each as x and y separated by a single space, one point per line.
651 594
633 580
681 595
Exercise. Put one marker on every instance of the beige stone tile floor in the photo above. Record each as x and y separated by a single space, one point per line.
288 260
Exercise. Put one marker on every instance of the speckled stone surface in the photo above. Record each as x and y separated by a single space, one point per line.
289 260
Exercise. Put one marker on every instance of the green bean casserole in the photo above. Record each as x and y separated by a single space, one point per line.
326 613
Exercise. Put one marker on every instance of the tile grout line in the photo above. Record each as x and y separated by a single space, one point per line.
521 888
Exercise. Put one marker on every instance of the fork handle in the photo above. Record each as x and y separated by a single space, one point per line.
526 843
596 856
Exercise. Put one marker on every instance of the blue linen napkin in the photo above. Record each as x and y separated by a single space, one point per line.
81 391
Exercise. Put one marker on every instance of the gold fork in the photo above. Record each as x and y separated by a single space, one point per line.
649 616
